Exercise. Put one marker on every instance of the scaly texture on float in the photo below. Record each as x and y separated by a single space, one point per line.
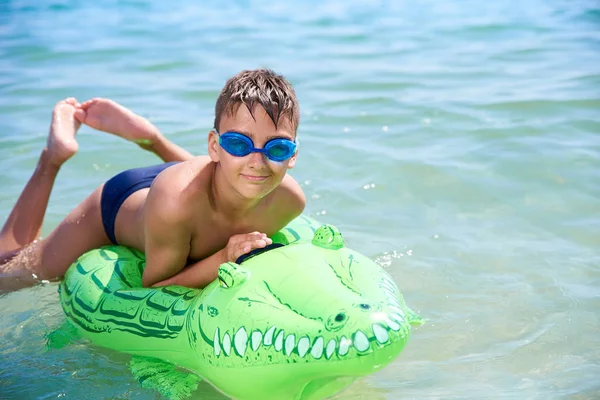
300 321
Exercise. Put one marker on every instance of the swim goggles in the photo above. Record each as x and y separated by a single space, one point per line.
239 145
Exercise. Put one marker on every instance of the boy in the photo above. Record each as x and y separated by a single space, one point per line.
188 215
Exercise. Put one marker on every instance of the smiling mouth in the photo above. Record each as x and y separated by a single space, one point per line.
254 178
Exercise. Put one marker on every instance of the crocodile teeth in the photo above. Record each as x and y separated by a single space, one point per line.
397 317
380 333
317 349
396 309
240 341
394 302
388 278
392 324
227 344
387 287
255 340
268 339
388 281
330 348
290 342
390 296
344 346
303 344
279 341
216 344
361 342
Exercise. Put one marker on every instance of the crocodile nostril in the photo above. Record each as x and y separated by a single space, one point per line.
340 317
364 306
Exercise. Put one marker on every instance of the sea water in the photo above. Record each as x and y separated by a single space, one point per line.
455 143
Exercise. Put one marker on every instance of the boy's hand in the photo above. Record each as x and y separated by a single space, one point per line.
239 245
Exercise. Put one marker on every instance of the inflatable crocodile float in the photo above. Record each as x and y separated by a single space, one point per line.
299 321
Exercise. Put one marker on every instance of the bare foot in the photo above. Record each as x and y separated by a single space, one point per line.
61 144
108 116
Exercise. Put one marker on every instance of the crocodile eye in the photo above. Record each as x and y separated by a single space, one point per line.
231 275
328 237
222 282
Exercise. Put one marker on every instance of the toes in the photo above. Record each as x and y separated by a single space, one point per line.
80 115
88 103
72 101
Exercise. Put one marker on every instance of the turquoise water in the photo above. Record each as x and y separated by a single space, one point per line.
456 143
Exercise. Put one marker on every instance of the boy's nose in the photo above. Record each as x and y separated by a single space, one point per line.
257 160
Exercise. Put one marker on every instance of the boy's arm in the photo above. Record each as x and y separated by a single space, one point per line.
167 236
165 149
198 274
289 205
205 271
168 245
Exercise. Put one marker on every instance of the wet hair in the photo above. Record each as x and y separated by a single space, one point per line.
260 86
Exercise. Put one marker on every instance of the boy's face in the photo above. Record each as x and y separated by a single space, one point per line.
254 175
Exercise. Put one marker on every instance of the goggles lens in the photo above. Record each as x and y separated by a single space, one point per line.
239 145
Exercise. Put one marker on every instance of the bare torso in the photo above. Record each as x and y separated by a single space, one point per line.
209 231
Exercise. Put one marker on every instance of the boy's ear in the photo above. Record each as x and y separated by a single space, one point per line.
213 146
292 160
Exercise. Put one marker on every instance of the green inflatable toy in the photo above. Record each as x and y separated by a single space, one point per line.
298 321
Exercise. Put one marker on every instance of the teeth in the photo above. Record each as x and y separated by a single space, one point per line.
240 341
386 286
393 301
279 341
227 344
392 324
361 342
290 342
268 340
396 309
216 344
255 340
390 296
317 349
344 346
330 348
380 333
287 344
397 317
388 278
303 344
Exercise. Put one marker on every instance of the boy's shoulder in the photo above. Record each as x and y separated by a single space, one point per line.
290 190
287 203
182 174
184 181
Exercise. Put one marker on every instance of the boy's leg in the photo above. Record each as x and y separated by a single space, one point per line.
25 220
82 230
109 116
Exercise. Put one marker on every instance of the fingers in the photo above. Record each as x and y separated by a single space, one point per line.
244 243
236 239
252 244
